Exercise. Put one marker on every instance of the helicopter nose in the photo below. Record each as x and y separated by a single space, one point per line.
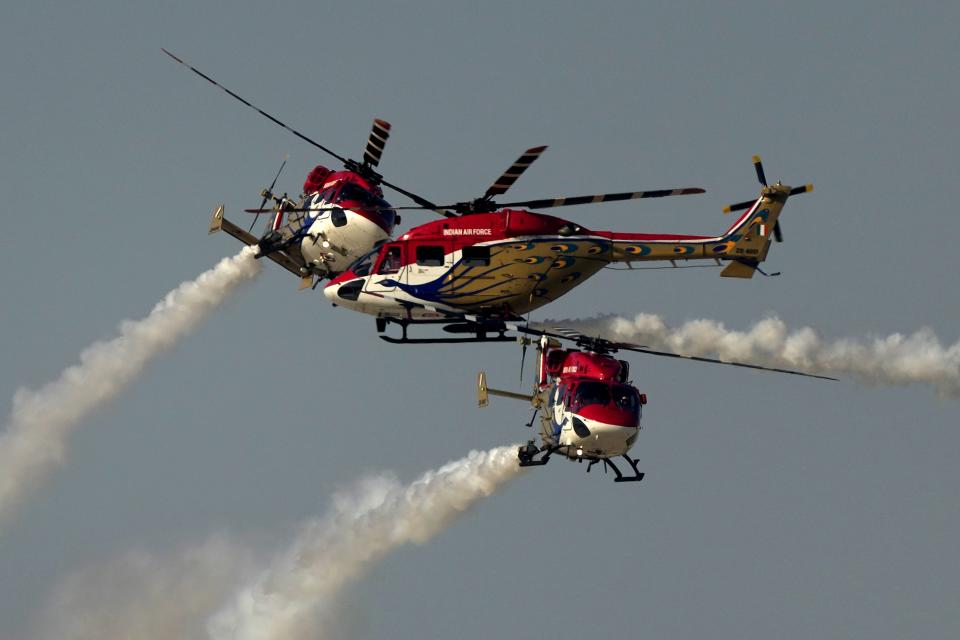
347 291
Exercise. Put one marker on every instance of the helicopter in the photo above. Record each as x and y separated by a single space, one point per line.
340 216
589 408
493 263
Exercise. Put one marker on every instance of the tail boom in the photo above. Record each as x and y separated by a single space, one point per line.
745 244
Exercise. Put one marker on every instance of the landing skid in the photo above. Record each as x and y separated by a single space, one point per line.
637 474
528 458
405 340
478 330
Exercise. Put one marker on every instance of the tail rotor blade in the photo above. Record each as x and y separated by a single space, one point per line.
740 206
266 193
510 176
376 142
777 233
758 165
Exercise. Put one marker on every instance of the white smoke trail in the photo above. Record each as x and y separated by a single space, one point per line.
897 359
216 590
147 596
295 598
34 440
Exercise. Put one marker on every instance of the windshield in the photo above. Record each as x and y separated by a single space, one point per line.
589 393
364 263
625 397
367 200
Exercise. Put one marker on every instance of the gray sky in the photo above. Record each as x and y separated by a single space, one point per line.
772 506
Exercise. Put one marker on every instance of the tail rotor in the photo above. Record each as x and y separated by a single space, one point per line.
762 178
268 192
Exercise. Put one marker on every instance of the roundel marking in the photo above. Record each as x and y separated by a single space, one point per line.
522 246
683 249
637 249
563 262
536 277
570 277
726 246
531 260
595 249
563 248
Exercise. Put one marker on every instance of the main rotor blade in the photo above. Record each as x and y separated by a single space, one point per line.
745 365
758 165
569 334
565 333
803 189
421 201
546 203
510 176
428 206
256 108
378 138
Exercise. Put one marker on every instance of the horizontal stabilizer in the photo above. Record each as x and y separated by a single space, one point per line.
484 392
218 222
739 269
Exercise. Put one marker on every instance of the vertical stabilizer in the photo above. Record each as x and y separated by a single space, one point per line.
750 236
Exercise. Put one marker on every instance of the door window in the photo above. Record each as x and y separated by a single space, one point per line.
392 260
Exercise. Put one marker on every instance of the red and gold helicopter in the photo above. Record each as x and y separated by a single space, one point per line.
340 216
485 263
488 264
589 408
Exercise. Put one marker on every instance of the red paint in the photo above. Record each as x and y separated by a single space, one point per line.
315 179
579 364
605 374
610 415
330 183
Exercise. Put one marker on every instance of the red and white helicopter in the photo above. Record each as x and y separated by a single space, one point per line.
488 264
340 217
485 263
589 408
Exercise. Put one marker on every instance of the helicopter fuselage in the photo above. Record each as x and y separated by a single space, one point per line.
504 263
345 218
589 410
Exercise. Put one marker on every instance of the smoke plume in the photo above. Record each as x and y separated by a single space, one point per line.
296 597
33 442
895 360
145 595
220 589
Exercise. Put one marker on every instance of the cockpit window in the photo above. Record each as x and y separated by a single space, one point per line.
355 193
326 195
389 215
625 397
589 393
364 263
368 201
